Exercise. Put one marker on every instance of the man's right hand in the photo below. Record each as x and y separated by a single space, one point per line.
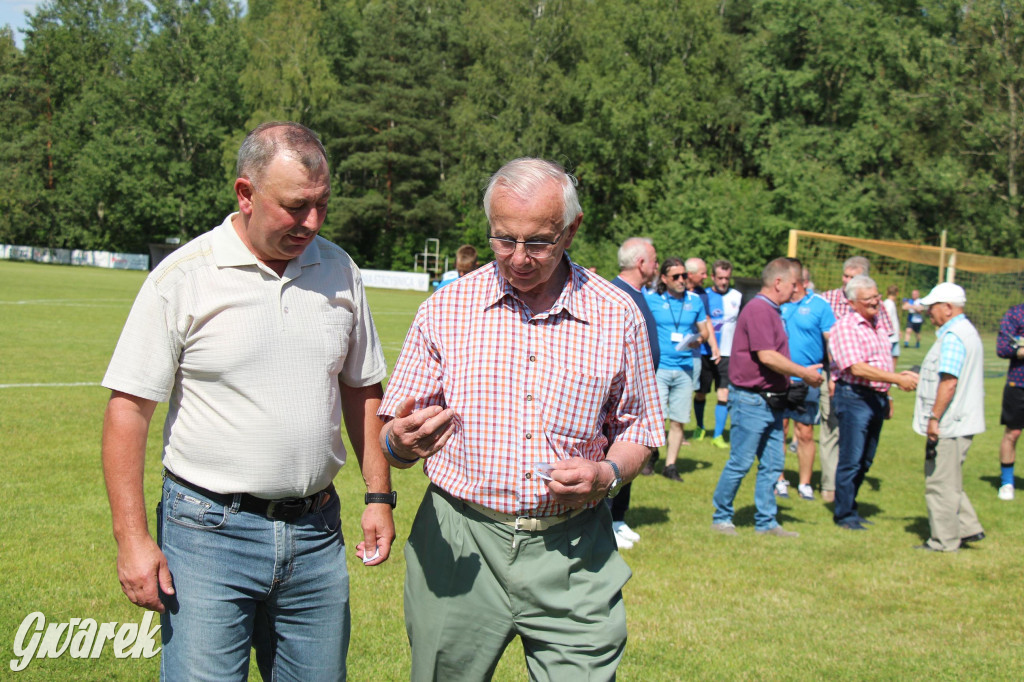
907 380
422 433
142 569
812 377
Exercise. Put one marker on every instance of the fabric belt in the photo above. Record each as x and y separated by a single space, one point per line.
287 509
528 523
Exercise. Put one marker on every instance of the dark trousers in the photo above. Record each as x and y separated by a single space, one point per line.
861 412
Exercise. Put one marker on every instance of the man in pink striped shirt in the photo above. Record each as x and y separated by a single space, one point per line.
527 389
862 370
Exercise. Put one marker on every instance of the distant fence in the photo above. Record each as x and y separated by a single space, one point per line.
378 279
96 259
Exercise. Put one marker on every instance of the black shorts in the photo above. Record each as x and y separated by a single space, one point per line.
709 372
915 326
1013 407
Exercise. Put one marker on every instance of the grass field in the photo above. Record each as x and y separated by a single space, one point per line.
829 604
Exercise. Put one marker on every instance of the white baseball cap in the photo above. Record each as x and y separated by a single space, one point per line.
947 292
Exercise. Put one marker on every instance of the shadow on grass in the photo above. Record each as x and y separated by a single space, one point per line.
688 466
647 516
918 525
996 481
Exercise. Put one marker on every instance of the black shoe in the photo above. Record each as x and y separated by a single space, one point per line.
647 470
851 525
670 473
977 537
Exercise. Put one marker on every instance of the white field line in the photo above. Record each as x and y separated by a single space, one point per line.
73 303
64 385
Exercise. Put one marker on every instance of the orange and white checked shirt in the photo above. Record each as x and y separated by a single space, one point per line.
526 388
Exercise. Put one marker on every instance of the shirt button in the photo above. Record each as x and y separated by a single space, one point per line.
529 397
528 436
286 310
533 358
528 475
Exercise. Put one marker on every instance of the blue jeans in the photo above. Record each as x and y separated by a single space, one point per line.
756 432
242 580
860 411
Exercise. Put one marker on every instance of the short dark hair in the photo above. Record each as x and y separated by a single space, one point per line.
264 142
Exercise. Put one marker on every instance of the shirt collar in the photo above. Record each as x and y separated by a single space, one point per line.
230 252
569 300
949 323
768 301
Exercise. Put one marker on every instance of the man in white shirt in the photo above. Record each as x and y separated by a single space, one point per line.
259 336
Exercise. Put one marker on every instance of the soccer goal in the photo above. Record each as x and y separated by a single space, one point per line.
993 284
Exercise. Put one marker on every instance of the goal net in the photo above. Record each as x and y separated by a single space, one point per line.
993 284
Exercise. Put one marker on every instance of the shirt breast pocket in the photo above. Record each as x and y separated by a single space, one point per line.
572 405
337 329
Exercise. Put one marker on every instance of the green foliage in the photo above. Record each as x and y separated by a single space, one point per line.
709 125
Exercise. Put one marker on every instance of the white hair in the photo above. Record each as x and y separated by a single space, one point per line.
856 284
632 250
523 177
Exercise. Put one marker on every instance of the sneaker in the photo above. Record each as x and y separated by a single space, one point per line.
792 446
805 491
622 543
779 532
699 433
1006 492
725 528
719 442
625 531
782 488
670 473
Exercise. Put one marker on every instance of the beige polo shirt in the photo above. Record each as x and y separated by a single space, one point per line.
250 362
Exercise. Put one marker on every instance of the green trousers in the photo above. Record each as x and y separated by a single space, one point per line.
473 584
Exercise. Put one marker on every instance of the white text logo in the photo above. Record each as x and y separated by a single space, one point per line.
82 638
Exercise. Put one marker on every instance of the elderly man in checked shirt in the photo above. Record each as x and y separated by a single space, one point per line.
863 372
528 390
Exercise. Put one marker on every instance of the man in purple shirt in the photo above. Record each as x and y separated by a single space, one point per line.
759 372
1010 345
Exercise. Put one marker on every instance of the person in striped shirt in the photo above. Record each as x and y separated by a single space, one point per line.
528 391
863 372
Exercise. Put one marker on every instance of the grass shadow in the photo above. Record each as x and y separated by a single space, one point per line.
996 482
685 465
647 516
918 525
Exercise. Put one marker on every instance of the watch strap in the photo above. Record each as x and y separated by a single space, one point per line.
381 498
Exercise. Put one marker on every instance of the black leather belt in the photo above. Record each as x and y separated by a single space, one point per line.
287 509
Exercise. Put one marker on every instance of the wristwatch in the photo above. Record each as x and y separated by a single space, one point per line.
382 498
616 485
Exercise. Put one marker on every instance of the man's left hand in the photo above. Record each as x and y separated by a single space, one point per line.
378 534
576 482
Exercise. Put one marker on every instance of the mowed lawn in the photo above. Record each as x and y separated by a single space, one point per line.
829 604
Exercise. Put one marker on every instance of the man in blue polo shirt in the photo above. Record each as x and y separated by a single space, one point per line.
807 317
679 316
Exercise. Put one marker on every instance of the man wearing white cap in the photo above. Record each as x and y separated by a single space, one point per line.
948 413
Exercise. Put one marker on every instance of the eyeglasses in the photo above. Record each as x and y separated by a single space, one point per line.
872 299
503 246
676 277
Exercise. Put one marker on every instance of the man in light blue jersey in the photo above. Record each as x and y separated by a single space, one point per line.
723 304
708 354
808 318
